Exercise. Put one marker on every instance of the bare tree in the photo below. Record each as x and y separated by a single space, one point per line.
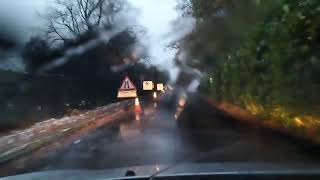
68 19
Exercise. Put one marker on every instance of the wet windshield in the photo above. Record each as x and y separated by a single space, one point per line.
105 84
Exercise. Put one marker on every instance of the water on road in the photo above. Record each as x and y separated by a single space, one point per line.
199 135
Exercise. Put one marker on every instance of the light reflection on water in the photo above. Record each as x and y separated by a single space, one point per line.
138 117
128 130
132 128
181 105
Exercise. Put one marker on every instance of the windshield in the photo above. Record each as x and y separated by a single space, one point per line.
106 84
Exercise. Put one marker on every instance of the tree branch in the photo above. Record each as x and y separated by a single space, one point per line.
74 22
54 29
73 18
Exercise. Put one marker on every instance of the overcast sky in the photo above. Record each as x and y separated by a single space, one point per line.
157 16
22 20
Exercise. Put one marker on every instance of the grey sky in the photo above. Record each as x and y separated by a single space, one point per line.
156 16
22 20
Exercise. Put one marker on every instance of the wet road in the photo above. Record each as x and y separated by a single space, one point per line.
200 135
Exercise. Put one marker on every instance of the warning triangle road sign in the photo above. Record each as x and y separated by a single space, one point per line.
127 85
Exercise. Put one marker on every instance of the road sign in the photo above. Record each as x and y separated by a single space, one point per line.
127 94
160 87
127 89
148 85
127 84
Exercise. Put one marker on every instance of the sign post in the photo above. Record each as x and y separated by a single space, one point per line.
127 89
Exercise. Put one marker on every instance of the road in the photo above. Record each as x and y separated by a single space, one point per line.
201 134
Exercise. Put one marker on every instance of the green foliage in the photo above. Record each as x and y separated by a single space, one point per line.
279 64
222 25
272 68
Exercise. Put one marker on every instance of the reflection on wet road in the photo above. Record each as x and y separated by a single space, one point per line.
200 135
145 140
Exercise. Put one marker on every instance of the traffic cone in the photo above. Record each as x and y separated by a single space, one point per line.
137 107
